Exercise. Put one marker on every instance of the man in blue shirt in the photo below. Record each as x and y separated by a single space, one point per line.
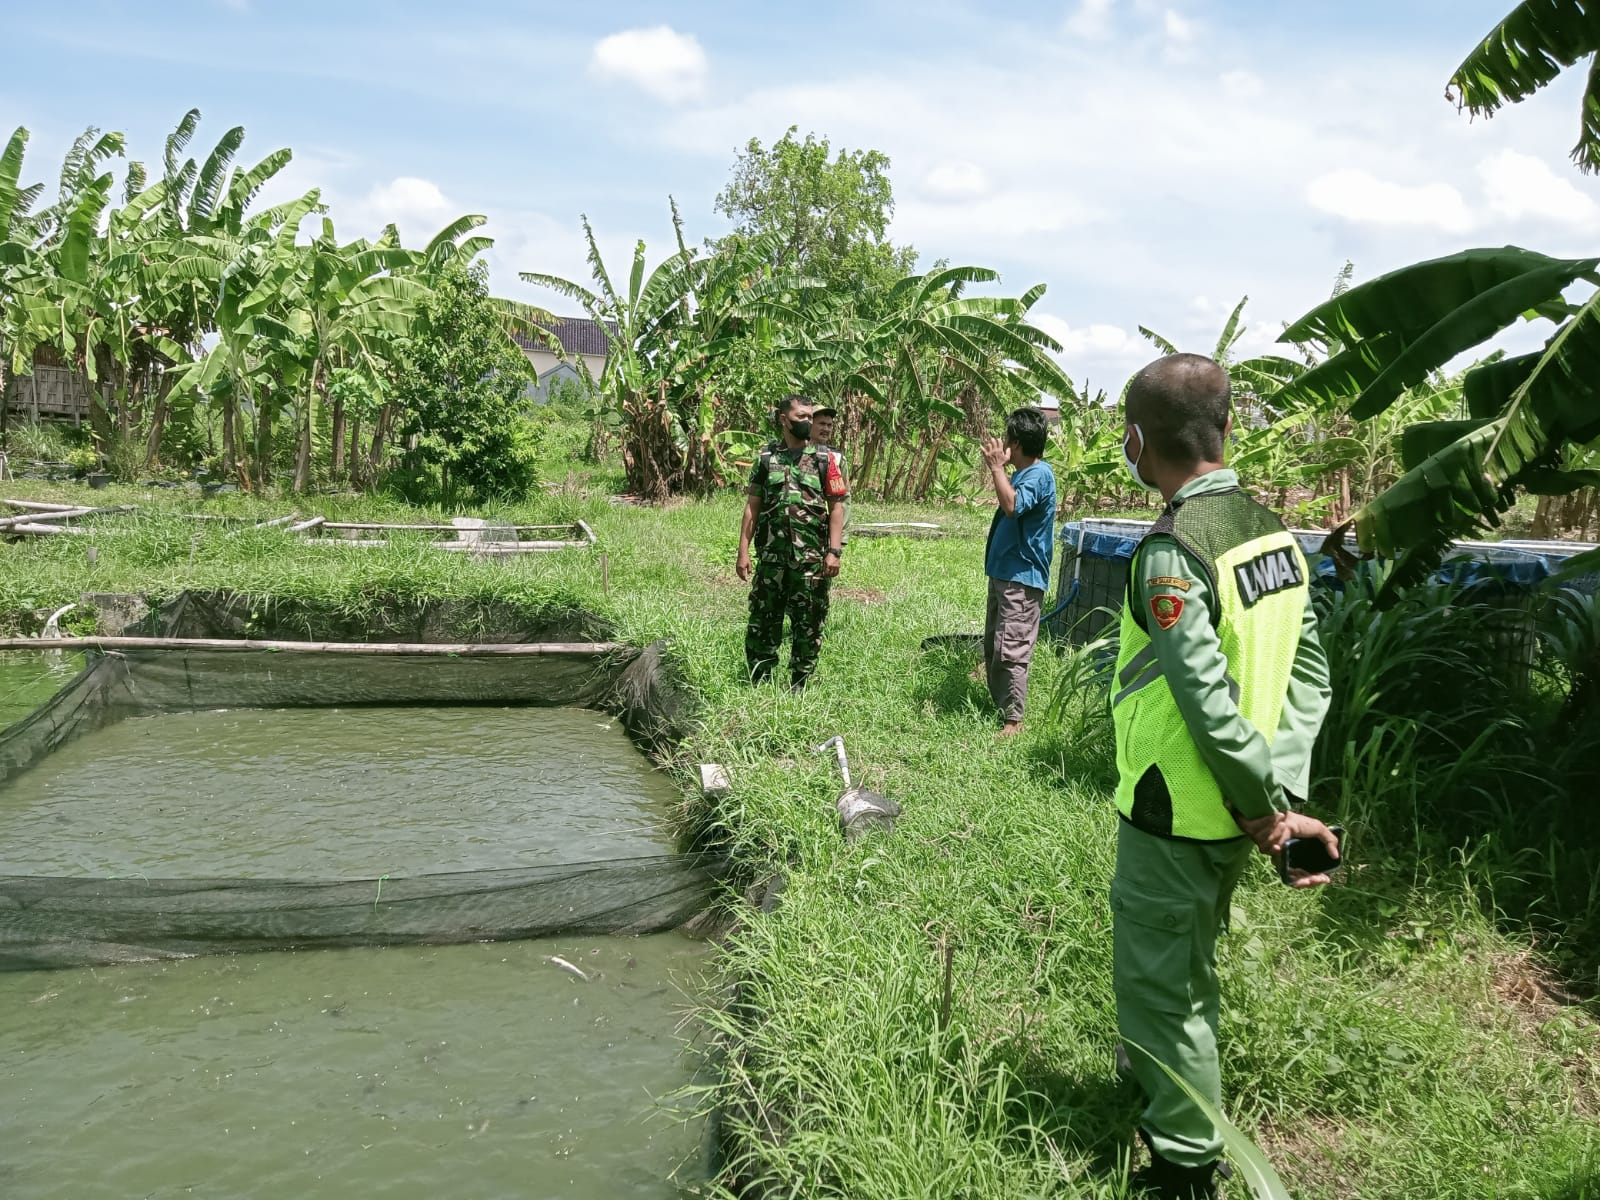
1017 560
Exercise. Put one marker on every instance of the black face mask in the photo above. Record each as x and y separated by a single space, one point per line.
801 430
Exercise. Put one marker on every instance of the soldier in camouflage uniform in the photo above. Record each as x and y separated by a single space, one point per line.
795 516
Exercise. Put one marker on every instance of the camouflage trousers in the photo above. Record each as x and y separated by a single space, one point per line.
799 591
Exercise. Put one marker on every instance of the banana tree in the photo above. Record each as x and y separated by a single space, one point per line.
338 301
909 371
1527 416
21 326
1252 378
194 200
734 294
1531 48
1522 412
665 333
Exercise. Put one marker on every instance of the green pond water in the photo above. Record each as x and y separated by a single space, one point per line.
478 1071
473 1071
336 794
28 678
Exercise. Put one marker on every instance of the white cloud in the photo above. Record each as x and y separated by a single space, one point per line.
1091 20
981 222
1179 29
1242 85
666 64
1520 187
408 202
1361 197
956 181
1100 341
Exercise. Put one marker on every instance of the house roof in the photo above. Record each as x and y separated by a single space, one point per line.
577 335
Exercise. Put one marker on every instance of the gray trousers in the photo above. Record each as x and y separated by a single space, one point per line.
1010 627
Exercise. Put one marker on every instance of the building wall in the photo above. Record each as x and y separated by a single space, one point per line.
550 368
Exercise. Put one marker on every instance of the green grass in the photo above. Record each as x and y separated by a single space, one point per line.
1383 1039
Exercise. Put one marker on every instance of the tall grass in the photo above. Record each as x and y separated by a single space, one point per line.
1446 769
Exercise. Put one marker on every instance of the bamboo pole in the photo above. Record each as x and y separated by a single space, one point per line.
447 528
35 517
583 528
33 528
507 547
294 516
38 505
313 523
431 649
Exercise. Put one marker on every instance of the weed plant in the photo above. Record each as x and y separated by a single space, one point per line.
929 1013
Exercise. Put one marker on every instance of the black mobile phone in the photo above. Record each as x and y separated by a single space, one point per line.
1310 855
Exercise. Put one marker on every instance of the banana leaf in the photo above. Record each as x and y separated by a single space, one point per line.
1249 1163
1402 326
1535 43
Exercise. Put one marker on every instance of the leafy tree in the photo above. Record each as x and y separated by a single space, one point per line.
826 214
460 390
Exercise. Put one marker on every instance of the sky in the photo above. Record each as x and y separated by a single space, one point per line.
1150 161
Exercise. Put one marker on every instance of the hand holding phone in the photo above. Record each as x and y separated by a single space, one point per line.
1306 859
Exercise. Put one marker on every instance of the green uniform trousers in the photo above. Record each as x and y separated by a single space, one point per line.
800 591
1170 901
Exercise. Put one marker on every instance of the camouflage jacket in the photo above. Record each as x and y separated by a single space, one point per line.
793 489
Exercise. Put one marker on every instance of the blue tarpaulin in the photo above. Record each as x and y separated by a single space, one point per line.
1517 564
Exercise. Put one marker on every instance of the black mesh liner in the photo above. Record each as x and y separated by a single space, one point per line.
47 922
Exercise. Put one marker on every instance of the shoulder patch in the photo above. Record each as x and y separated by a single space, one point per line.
1183 585
1166 610
1267 574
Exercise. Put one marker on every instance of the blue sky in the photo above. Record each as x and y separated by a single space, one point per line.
1150 160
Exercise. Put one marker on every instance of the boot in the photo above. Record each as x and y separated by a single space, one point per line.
1164 1180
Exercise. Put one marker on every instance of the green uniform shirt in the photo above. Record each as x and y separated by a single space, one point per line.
1252 774
794 490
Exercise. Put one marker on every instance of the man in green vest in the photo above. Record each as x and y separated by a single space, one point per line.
1221 686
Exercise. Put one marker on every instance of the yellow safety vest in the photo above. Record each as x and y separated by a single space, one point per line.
1258 579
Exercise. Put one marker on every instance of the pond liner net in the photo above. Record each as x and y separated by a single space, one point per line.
75 921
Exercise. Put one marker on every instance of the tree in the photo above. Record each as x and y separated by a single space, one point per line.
460 391
827 214
1529 417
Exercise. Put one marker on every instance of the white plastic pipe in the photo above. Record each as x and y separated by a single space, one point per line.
837 742
52 627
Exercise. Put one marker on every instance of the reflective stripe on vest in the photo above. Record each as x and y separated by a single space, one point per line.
1163 786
